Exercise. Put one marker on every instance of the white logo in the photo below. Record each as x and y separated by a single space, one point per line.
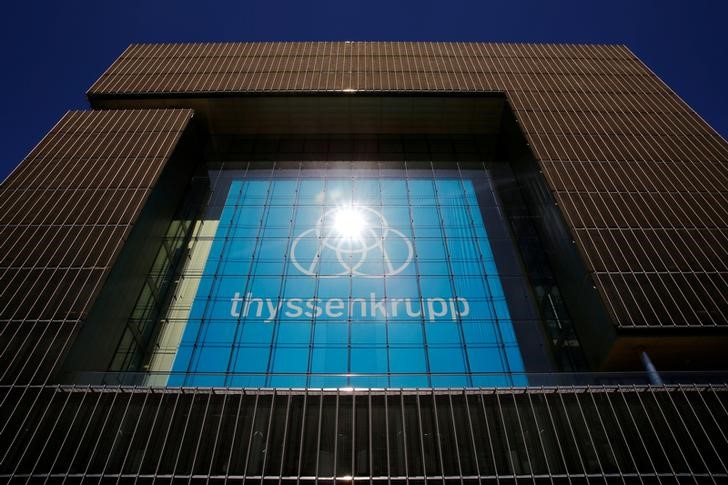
348 237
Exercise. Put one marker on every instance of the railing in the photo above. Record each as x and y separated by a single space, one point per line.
387 381
537 435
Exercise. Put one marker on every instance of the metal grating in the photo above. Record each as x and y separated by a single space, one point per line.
641 178
64 215
537 435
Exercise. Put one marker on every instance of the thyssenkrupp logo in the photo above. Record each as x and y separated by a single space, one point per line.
349 236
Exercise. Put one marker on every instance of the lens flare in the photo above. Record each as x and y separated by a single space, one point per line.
349 222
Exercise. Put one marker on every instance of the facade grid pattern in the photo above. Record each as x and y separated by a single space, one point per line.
427 309
640 178
65 213
621 434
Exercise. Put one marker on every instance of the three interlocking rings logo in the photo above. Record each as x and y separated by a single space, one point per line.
374 241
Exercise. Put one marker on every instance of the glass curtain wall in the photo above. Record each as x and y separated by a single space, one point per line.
343 276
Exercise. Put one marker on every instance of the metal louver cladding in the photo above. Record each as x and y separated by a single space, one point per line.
639 177
66 211
607 434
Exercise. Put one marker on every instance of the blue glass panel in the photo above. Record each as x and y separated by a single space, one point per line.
412 292
402 287
471 287
252 359
329 360
263 288
284 193
294 333
492 380
298 287
287 380
364 287
443 333
405 333
311 192
323 381
479 332
248 217
414 381
211 359
430 248
436 287
394 192
307 217
427 224
236 267
331 333
515 362
398 217
410 360
422 192
221 331
368 333
485 359
290 359
255 332
367 192
463 248
447 360
450 380
273 249
339 192
369 360
433 268
454 216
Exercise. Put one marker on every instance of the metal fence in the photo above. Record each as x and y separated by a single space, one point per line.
605 434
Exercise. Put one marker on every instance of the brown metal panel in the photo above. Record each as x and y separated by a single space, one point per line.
15 255
580 106
66 211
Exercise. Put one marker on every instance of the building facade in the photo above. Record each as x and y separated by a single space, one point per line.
290 262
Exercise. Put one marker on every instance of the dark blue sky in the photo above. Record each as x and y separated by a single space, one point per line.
53 51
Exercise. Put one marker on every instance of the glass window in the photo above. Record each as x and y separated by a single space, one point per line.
347 280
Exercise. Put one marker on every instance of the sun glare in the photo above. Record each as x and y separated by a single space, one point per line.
349 222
